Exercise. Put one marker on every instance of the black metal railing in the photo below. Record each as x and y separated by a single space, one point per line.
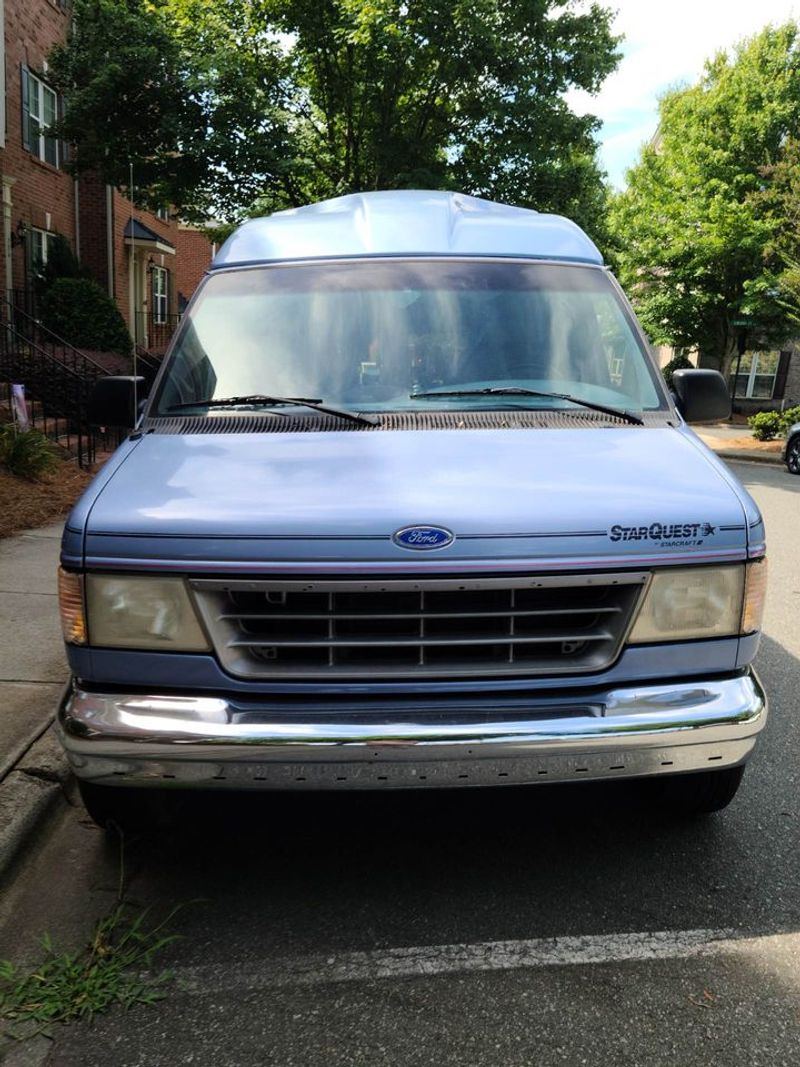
154 332
18 311
147 364
57 395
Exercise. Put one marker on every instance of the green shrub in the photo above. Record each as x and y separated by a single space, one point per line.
676 363
26 453
81 312
789 418
765 425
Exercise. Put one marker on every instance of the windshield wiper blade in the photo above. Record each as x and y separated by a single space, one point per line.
514 390
269 401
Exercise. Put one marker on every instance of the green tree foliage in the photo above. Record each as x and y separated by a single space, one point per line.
780 195
120 72
219 102
80 311
676 363
695 236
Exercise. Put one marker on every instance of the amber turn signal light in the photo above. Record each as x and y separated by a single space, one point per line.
70 604
755 595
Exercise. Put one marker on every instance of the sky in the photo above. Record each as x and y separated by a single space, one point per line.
666 43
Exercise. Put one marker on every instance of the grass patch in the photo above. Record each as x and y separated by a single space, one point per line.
75 986
115 968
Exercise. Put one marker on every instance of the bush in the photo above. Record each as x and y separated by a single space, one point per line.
26 453
676 363
81 312
766 425
789 418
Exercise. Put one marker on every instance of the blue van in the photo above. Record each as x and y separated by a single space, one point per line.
409 505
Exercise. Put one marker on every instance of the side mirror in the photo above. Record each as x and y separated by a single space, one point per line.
113 401
702 395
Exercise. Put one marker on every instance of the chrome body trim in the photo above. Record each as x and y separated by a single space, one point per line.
163 740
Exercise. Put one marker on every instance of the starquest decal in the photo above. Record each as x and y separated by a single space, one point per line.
666 534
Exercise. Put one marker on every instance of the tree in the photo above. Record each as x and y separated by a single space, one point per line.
296 100
187 94
781 196
695 236
450 93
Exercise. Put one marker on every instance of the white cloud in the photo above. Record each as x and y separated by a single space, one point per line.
666 42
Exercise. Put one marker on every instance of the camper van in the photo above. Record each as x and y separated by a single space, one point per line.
410 506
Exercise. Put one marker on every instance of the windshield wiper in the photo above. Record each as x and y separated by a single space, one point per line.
274 401
514 390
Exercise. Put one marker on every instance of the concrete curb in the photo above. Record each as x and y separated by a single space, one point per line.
742 455
30 794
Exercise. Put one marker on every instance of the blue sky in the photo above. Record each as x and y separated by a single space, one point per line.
666 43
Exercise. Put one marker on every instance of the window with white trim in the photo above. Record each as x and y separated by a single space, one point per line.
39 114
160 294
38 247
163 214
756 376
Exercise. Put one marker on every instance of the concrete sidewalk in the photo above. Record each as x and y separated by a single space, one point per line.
33 670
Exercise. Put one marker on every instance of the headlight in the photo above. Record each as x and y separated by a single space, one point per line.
683 603
145 613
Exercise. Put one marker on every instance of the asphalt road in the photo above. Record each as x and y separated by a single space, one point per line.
559 925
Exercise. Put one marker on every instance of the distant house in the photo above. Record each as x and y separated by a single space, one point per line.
150 263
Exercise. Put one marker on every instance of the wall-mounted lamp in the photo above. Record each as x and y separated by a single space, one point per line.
18 233
150 265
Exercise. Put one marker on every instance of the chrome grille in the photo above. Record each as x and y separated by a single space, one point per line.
323 628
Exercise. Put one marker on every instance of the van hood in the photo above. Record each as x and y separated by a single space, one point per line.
333 500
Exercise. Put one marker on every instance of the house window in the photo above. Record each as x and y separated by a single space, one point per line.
40 242
757 374
160 294
163 214
39 113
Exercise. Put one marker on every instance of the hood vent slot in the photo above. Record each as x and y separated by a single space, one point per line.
298 422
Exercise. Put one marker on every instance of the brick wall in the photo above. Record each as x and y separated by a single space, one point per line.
40 194
195 253
92 208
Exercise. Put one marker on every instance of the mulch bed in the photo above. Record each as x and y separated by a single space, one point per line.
25 504
759 446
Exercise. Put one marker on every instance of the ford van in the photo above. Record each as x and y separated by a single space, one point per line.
410 506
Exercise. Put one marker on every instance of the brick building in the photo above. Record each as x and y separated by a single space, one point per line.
150 263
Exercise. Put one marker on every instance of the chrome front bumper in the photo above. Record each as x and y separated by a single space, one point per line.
125 739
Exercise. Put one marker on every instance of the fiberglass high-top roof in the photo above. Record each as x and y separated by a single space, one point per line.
407 222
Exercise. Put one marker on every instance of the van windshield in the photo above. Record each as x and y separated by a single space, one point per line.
368 335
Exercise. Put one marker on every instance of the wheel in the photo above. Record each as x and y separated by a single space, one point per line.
793 455
121 809
701 793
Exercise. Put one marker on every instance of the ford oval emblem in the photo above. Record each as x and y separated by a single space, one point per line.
423 537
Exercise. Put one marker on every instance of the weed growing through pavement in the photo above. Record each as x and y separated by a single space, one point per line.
114 968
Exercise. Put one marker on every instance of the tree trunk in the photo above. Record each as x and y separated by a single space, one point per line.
728 357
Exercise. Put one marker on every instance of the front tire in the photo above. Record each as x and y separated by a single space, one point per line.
793 455
702 793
